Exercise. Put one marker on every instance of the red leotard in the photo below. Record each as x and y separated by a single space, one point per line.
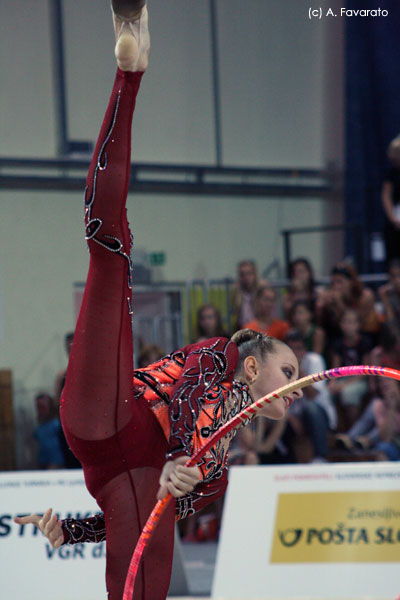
122 433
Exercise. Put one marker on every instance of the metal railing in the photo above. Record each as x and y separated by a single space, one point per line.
355 228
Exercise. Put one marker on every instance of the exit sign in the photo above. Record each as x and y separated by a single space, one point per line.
157 259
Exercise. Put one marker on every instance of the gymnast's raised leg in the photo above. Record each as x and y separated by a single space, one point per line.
117 440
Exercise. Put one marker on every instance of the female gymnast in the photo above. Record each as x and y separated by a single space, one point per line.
133 439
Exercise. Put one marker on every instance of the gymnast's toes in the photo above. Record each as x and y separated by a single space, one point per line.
132 35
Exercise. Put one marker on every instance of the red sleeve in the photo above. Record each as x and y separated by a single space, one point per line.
207 364
203 494
77 531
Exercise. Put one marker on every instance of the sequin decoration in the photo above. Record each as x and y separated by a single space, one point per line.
94 225
91 530
193 396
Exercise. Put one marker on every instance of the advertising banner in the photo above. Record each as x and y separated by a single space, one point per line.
31 569
312 531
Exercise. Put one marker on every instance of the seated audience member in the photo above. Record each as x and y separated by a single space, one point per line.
204 526
351 347
47 433
242 450
301 319
302 285
378 428
390 197
390 297
70 460
209 323
347 291
387 352
274 442
244 291
149 354
60 379
265 315
314 414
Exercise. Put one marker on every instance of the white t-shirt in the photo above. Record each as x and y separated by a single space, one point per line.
314 363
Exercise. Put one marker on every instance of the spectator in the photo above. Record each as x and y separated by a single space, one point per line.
378 428
244 291
209 323
302 286
205 526
275 442
346 291
390 297
47 433
265 310
69 459
315 413
391 202
301 319
243 447
387 353
60 379
149 354
350 348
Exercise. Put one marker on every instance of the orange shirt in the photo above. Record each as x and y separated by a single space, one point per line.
277 328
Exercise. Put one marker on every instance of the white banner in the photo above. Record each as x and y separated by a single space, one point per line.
311 532
30 568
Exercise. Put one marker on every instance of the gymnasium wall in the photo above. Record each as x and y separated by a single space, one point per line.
282 102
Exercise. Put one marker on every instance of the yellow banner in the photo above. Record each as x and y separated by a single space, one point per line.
337 527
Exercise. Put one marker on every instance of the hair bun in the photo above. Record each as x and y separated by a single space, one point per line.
245 335
253 343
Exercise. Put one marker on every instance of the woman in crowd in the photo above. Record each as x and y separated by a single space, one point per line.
347 291
391 202
47 433
378 428
389 295
351 347
244 291
302 285
209 323
265 310
301 319
315 416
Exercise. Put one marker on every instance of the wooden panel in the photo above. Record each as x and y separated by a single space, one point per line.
7 432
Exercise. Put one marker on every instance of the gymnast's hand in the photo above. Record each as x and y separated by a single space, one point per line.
178 479
49 525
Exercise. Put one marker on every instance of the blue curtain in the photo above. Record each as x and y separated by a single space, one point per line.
372 117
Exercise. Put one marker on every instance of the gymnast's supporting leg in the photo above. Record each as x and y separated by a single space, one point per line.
98 397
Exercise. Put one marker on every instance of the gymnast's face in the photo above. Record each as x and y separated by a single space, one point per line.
278 369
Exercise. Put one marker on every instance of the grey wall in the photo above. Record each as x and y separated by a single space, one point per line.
281 94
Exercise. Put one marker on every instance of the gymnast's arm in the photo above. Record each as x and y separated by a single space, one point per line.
203 494
207 365
67 531
93 529
74 531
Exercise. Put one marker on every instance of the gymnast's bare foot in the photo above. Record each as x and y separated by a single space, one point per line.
132 34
